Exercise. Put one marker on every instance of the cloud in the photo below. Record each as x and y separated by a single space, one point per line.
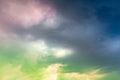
59 53
52 72
112 45
40 50
93 75
72 24
24 13
77 26
9 72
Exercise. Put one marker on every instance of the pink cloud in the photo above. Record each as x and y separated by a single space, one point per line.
24 13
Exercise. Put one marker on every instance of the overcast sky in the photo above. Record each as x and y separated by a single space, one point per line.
83 34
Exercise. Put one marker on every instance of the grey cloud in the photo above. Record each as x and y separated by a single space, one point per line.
80 30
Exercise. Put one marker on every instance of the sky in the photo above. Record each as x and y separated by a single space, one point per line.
59 40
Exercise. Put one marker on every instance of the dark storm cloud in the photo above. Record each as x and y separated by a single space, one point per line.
95 14
82 28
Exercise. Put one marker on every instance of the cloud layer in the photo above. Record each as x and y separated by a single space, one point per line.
78 32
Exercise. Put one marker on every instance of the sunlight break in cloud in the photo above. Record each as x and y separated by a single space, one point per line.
52 72
60 53
93 75
37 50
10 72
